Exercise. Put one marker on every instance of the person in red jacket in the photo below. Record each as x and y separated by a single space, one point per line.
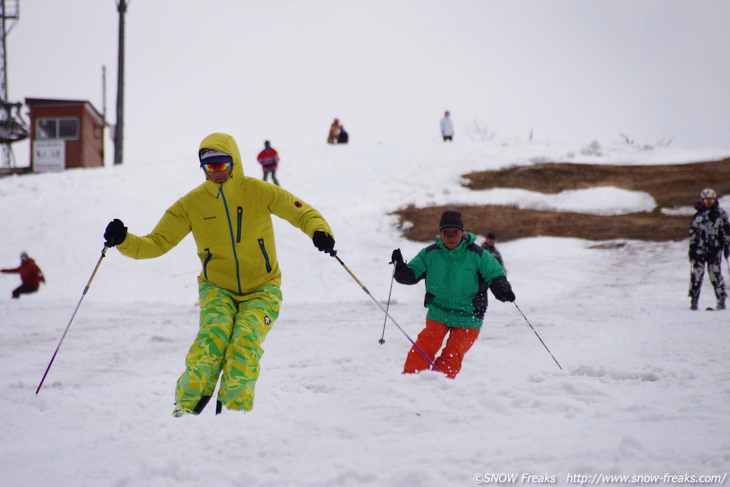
269 160
31 276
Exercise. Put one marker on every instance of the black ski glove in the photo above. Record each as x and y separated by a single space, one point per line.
115 233
502 289
324 242
397 259
402 273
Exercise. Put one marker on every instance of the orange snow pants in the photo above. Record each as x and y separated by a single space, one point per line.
430 340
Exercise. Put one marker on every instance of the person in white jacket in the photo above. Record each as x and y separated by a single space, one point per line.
447 127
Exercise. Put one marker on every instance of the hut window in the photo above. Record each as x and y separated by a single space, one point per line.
57 128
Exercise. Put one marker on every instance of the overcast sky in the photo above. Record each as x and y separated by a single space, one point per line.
565 70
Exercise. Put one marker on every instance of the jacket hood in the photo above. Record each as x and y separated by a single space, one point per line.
224 143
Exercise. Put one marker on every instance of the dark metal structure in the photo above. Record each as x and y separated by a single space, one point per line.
12 126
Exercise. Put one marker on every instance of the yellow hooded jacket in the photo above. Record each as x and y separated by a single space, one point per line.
231 224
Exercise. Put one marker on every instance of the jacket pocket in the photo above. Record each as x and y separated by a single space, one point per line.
265 254
239 222
208 256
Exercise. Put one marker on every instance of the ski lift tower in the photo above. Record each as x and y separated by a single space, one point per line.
12 126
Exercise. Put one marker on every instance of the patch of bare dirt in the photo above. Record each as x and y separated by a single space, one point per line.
671 186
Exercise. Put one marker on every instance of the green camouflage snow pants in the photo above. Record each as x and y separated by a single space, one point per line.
232 330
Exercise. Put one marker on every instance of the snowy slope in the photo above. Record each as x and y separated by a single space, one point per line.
644 388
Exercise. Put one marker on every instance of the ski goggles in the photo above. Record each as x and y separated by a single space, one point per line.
216 166
214 160
453 232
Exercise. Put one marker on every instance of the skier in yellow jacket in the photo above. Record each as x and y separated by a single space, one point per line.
230 218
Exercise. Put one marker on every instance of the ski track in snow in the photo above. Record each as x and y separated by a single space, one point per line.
644 388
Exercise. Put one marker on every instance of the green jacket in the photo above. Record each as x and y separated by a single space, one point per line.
231 224
456 281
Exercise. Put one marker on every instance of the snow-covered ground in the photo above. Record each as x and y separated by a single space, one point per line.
644 390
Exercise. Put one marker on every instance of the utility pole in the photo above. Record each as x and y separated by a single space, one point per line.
119 127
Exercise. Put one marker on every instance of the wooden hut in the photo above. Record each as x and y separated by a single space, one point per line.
65 134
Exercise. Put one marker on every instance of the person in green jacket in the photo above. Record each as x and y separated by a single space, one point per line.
458 273
229 216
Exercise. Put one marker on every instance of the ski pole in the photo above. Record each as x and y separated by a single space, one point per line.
538 336
387 315
86 289
387 307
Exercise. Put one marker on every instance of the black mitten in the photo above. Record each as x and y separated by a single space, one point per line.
115 233
502 289
397 258
324 242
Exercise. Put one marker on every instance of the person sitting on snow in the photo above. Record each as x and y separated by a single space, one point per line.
343 137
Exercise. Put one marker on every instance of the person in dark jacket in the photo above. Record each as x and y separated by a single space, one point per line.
458 273
343 137
709 240
490 245
31 276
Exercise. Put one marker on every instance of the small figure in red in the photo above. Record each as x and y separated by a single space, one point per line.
269 160
31 276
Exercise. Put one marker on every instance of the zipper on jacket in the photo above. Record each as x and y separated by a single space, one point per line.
233 239
208 256
240 220
265 254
